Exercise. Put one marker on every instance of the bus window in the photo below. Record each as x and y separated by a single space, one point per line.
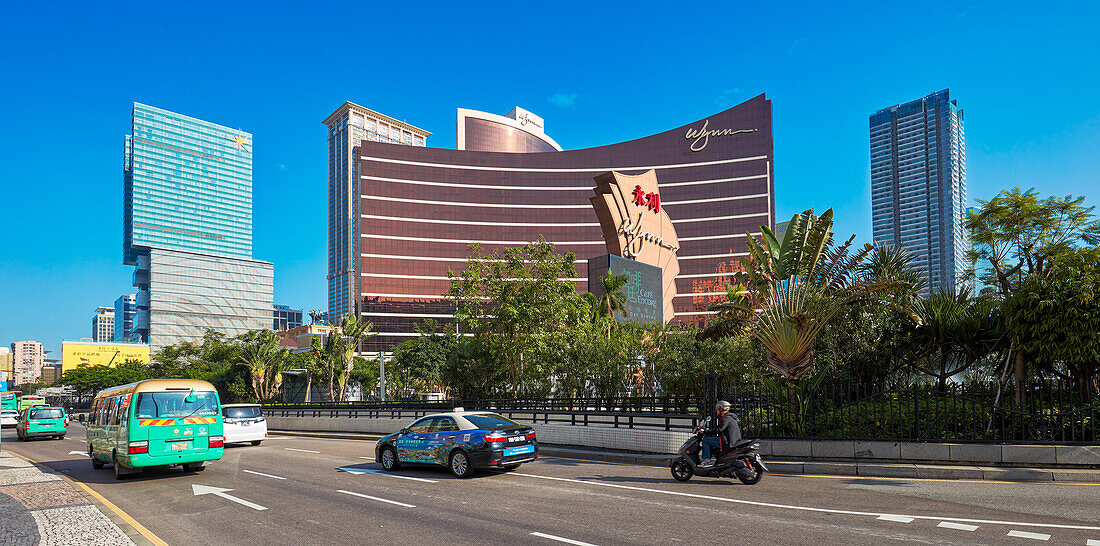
175 404
114 411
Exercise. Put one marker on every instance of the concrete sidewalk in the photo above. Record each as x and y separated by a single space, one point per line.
38 506
829 467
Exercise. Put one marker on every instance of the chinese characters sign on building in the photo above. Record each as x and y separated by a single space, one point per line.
635 226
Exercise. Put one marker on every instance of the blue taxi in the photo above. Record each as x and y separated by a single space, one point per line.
461 441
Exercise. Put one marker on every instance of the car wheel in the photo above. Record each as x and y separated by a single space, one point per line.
256 442
388 459
96 463
460 464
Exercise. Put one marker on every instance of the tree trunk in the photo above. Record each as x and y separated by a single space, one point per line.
1020 370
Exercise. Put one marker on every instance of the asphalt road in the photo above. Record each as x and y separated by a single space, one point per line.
316 491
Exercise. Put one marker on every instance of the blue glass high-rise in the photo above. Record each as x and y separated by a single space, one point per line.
187 227
918 185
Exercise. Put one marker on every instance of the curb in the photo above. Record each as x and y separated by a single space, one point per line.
804 467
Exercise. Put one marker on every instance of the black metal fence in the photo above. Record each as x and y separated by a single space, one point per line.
1052 412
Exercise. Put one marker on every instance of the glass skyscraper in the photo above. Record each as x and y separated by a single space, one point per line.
918 185
349 125
125 308
187 227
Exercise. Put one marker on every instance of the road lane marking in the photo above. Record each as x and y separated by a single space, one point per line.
899 519
1025 534
957 526
1092 542
350 470
78 453
264 475
807 508
118 511
223 493
374 498
302 450
563 539
371 458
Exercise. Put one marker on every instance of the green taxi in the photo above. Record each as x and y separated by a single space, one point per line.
41 422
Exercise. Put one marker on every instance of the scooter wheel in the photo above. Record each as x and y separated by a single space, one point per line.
757 474
681 470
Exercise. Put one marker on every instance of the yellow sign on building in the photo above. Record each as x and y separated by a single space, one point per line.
75 354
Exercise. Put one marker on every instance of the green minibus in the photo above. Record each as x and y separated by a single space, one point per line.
7 400
41 421
30 400
155 423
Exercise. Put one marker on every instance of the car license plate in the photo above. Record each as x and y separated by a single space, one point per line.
515 439
180 446
246 424
508 452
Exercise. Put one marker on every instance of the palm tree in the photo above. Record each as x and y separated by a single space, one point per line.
261 353
800 283
325 354
353 330
613 299
954 331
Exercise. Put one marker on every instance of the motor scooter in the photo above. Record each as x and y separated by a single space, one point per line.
741 461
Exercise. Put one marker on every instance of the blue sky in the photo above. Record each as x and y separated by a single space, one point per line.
1026 76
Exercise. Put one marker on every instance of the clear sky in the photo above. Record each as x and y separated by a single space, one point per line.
1025 75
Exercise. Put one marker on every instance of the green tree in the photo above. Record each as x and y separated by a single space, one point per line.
511 298
613 299
954 331
417 364
353 331
1016 235
803 282
265 359
1054 317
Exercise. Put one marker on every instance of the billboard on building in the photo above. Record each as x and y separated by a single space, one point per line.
642 293
75 354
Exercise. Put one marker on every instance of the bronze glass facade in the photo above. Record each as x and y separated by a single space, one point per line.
421 207
486 135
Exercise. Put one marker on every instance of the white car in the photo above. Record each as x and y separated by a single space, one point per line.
243 423
9 418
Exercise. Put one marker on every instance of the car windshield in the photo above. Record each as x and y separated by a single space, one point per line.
248 412
491 421
175 404
47 413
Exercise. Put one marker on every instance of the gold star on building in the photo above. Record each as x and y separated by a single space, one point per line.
240 141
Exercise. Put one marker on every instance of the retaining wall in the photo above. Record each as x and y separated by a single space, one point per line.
650 440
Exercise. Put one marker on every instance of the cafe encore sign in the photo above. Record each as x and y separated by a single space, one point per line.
637 227
701 137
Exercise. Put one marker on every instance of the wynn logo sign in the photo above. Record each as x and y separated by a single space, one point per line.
635 226
701 137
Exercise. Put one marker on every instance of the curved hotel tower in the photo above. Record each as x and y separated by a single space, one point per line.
508 184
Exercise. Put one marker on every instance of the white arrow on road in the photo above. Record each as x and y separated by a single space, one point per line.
221 492
78 453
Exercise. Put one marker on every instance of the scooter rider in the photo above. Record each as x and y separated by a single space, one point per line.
725 432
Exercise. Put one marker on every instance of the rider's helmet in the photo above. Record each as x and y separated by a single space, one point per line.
722 405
